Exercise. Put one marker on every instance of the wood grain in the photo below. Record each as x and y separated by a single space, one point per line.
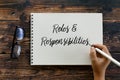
17 12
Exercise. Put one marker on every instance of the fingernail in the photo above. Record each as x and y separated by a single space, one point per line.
92 47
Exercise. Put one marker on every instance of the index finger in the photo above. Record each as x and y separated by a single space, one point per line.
102 47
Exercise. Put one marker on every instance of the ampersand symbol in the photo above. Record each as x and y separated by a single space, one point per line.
74 28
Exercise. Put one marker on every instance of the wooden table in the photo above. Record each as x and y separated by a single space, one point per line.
17 12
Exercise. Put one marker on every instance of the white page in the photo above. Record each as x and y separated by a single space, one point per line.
82 28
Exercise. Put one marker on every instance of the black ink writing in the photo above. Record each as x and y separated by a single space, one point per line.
57 28
64 28
64 41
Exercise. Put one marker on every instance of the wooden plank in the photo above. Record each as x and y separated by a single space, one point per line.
90 3
13 14
112 36
54 72
7 14
15 10
11 1
114 3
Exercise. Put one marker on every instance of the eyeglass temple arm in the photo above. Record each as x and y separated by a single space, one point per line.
14 37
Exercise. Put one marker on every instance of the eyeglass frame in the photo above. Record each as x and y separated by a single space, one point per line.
15 41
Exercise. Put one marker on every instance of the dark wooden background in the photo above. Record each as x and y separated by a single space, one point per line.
17 12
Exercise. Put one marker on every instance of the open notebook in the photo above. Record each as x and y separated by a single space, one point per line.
64 38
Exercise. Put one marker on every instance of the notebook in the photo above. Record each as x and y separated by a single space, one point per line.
64 38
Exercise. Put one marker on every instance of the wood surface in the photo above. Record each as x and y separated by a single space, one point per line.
17 12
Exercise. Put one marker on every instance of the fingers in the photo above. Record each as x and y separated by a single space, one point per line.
93 55
102 47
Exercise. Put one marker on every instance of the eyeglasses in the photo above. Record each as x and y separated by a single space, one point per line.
18 36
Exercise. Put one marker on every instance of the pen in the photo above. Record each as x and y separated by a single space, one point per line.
107 56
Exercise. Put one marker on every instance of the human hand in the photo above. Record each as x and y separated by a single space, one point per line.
99 62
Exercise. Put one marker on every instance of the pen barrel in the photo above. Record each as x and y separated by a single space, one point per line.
107 56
